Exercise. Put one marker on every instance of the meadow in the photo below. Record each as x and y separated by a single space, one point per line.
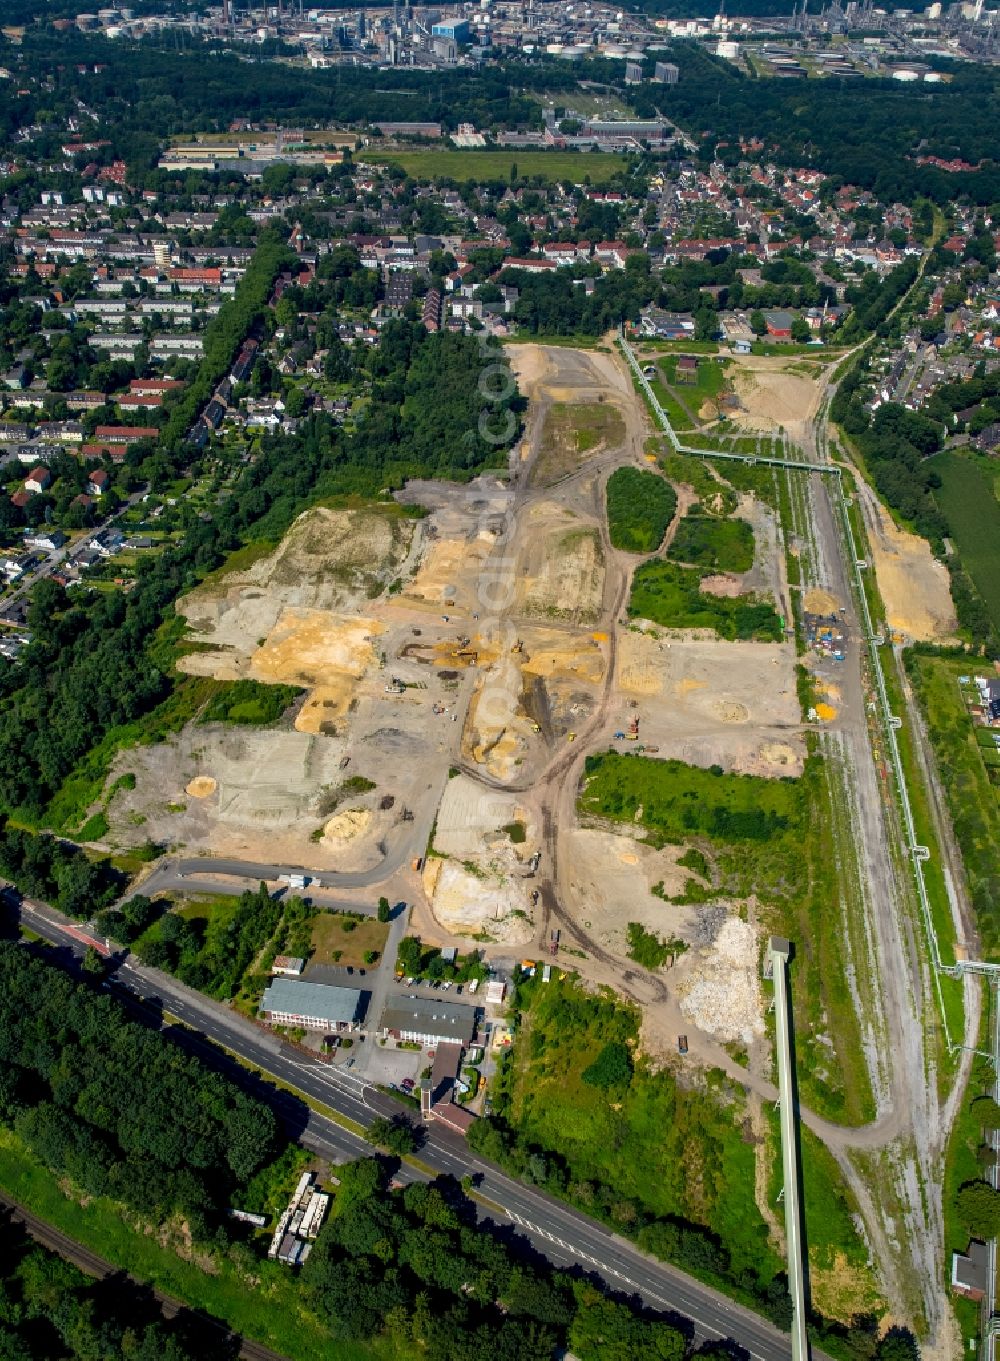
973 513
713 545
671 1149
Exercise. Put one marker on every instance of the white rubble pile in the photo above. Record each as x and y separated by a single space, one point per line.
721 993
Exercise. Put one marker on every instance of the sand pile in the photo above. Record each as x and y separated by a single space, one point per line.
914 586
201 787
348 825
487 903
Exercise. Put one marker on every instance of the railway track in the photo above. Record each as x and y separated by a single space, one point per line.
93 1265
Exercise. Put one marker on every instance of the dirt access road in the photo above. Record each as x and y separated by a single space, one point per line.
894 1165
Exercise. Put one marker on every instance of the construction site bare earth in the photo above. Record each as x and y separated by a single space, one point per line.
461 649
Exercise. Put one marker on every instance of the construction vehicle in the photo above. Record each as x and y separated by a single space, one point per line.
518 646
417 863
682 1044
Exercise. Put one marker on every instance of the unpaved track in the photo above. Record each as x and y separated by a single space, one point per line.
906 1142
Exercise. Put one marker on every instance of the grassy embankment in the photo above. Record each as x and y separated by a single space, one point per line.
970 790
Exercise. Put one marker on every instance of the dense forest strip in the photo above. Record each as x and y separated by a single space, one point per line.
863 132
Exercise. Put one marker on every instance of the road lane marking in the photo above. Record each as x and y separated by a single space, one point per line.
626 1280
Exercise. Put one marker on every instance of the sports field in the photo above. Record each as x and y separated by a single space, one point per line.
497 165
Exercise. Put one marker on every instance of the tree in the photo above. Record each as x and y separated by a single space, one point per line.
758 322
295 403
383 909
979 1209
93 963
706 324
396 1135
987 1112
611 1068
899 1344
800 330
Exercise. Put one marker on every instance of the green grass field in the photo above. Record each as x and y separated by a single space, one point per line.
640 506
677 802
716 497
709 382
713 545
968 501
249 702
666 593
552 166
969 792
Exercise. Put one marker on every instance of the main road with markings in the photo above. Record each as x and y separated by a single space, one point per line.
564 1235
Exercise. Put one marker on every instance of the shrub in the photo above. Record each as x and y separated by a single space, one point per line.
611 1068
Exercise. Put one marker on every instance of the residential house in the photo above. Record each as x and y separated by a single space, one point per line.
38 480
125 434
970 1271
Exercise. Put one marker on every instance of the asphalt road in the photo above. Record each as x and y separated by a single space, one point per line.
563 1235
189 875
